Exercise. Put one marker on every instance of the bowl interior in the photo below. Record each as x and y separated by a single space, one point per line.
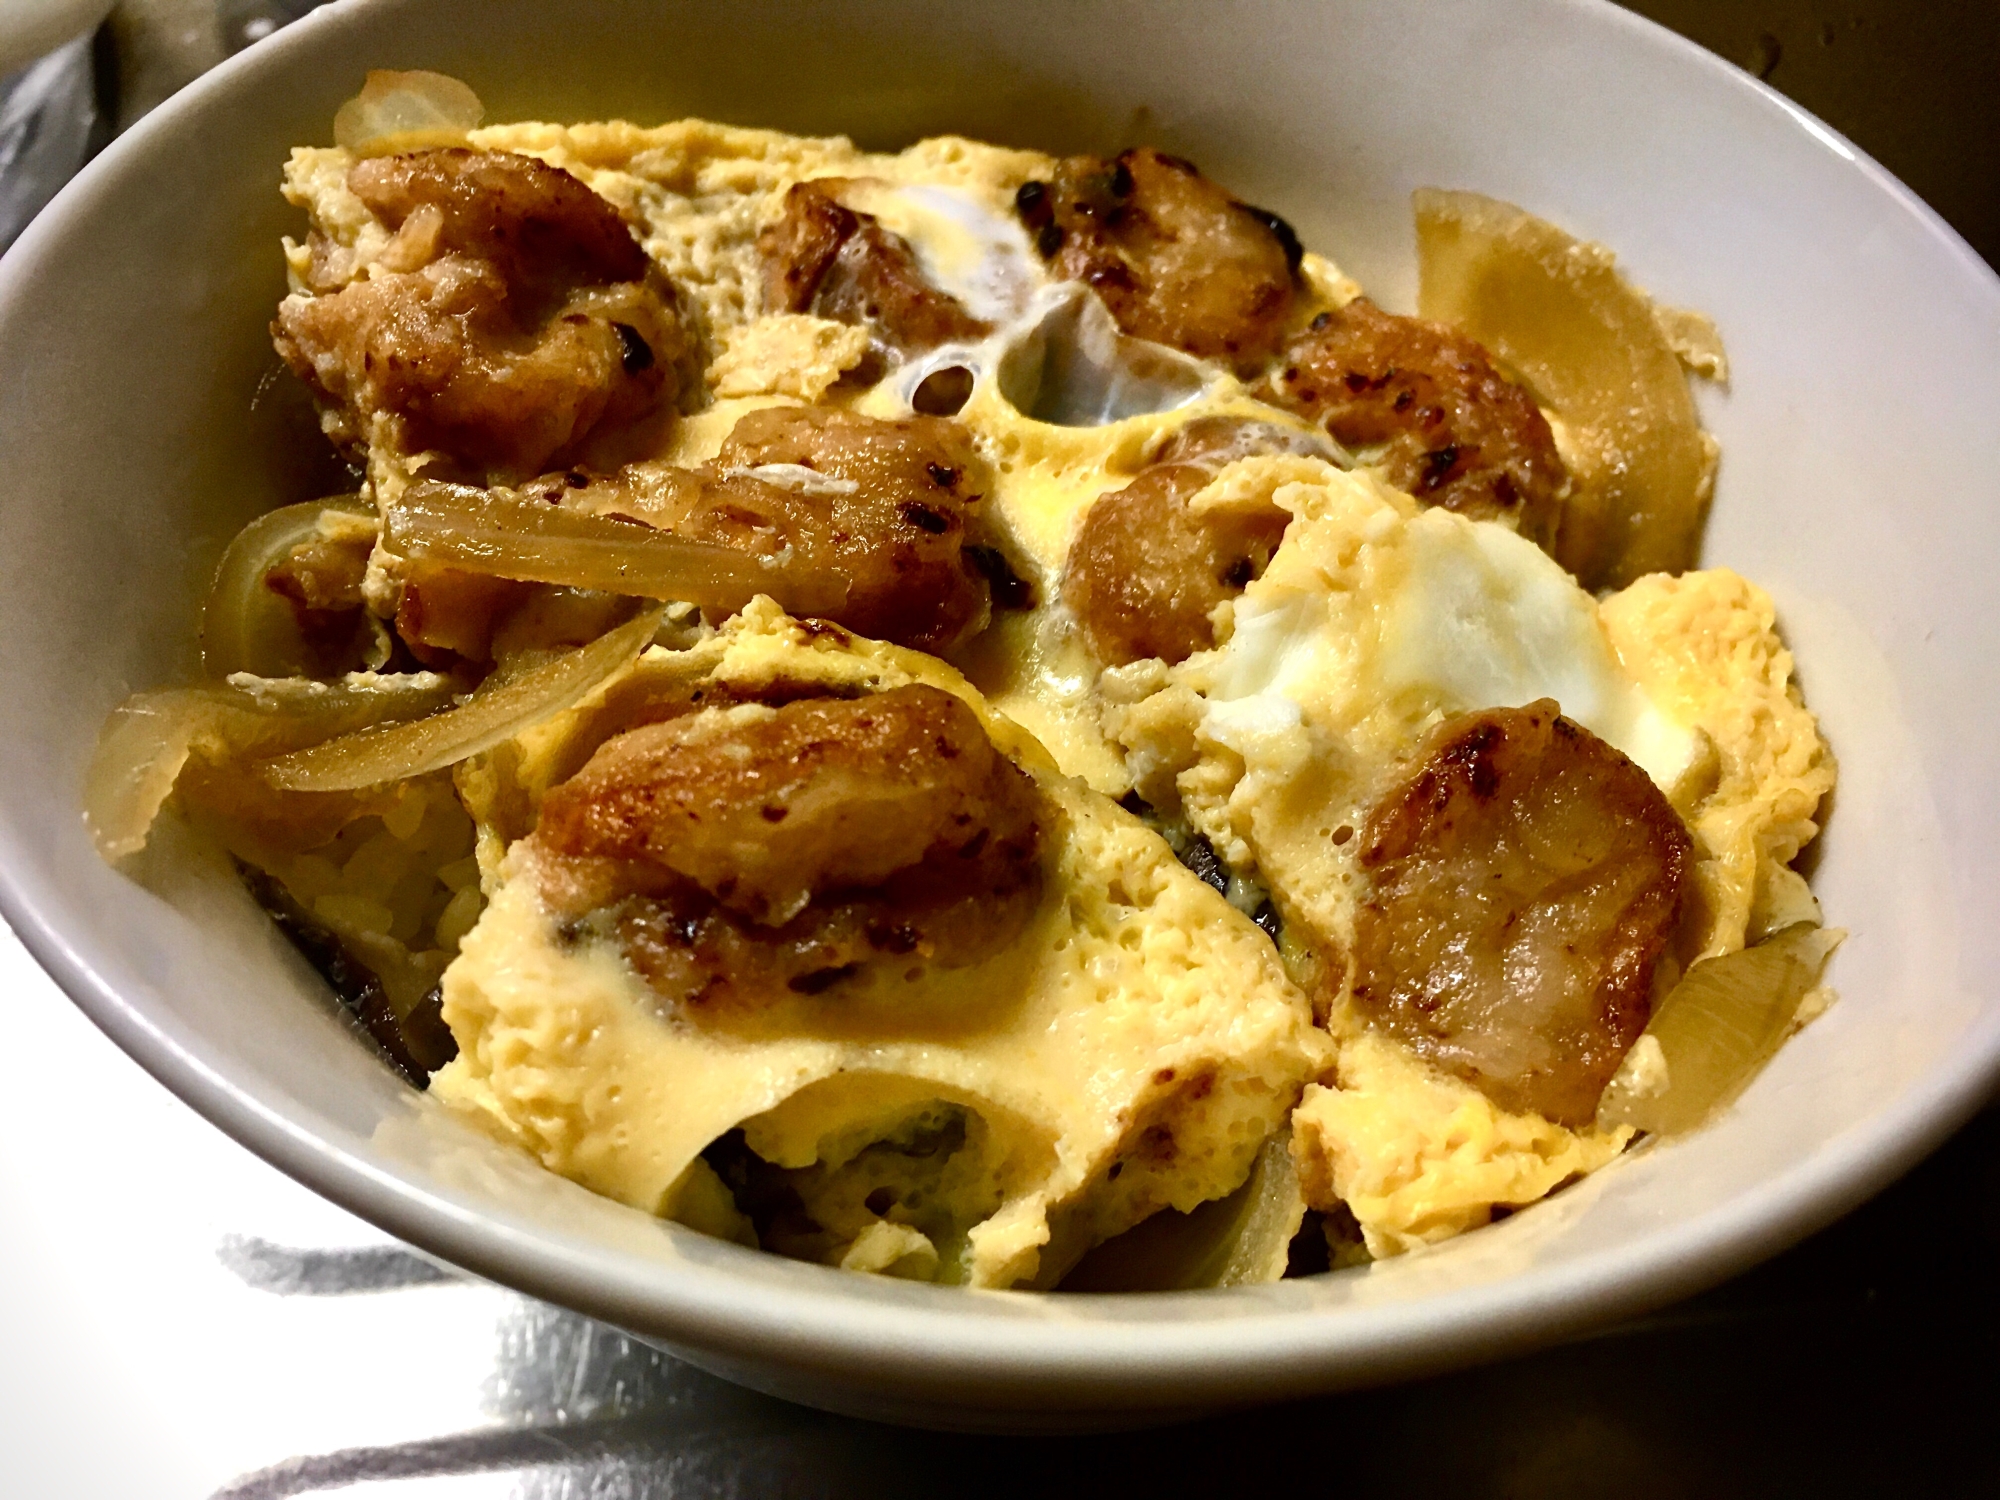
143 417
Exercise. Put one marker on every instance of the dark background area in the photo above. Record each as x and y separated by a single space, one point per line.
1913 84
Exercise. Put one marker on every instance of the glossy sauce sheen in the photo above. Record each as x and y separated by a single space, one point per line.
1527 880
1298 627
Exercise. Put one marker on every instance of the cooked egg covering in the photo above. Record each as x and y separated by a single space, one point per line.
1142 1037
1375 620
1129 1051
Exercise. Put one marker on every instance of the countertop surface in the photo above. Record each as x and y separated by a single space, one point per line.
180 1320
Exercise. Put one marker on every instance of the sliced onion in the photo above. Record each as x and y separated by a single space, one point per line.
1695 340
1714 1030
1239 1240
484 531
406 112
245 627
149 738
505 705
1593 349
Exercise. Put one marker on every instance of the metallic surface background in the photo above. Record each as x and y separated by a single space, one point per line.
178 1319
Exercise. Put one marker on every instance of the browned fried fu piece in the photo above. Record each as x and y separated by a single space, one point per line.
1459 434
1526 881
882 506
512 316
743 854
825 258
1176 259
1146 570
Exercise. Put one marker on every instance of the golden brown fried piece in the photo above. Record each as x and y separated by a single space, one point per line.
444 614
1146 571
1218 440
824 258
763 808
1459 433
512 316
539 227
1527 879
1175 258
881 505
321 580
744 852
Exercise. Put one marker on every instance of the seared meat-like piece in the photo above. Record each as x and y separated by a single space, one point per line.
739 853
444 614
879 505
1526 881
824 258
1459 433
512 316
765 808
321 579
1175 258
1146 570
541 228
1219 440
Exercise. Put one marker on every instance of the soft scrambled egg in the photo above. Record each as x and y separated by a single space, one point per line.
1705 646
1141 1001
1131 1051
1376 620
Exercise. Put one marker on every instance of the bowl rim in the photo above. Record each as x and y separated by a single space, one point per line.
944 1334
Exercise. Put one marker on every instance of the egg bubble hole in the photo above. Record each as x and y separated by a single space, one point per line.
1063 362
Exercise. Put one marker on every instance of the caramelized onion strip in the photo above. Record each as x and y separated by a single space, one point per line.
504 705
150 737
1714 1030
406 112
1239 1240
482 532
245 627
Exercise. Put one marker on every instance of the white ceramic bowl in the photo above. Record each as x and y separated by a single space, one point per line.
1859 484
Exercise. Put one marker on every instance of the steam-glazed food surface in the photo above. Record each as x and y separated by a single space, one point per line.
1525 881
939 712
511 314
1047 1028
1449 428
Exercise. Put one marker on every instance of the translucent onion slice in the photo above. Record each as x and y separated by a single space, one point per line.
1239 1240
1714 1030
406 112
1594 350
245 627
504 705
148 739
481 531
